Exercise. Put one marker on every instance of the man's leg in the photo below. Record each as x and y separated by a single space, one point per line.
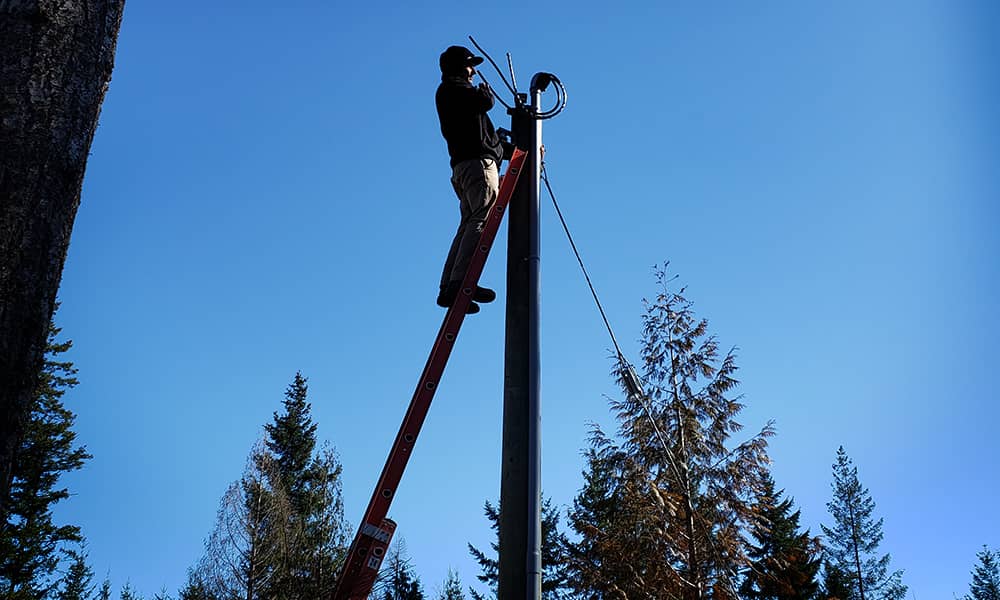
479 183
476 183
449 263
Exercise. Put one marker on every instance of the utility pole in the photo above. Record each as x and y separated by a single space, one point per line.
520 531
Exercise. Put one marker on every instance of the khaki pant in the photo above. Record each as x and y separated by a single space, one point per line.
476 183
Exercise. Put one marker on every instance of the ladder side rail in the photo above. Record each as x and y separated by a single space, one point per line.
364 555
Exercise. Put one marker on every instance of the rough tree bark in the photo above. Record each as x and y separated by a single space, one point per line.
56 66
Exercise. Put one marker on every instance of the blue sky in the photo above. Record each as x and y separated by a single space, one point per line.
268 192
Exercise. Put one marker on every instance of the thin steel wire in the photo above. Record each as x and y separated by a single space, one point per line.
545 178
626 366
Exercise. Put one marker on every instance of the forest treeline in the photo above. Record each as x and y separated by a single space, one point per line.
677 502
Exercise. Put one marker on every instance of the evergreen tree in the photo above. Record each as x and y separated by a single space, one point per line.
250 538
76 585
312 483
104 593
452 589
195 590
324 529
785 561
129 594
31 543
669 500
291 438
554 577
853 541
281 531
986 577
836 584
598 561
397 581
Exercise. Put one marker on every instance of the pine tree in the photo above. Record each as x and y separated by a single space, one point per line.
76 585
30 541
312 483
104 593
597 561
986 577
836 584
325 530
853 541
679 500
291 438
452 589
397 581
129 594
785 561
281 531
195 590
554 577
250 537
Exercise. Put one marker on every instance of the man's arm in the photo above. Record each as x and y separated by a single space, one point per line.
486 97
474 100
461 99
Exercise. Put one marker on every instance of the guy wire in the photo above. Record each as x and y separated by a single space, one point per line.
625 367
545 178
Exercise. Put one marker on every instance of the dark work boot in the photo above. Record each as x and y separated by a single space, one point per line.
484 295
446 297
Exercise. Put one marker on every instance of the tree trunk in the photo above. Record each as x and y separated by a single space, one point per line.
57 62
693 579
856 541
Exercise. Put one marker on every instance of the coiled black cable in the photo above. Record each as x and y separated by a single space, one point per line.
547 114
560 99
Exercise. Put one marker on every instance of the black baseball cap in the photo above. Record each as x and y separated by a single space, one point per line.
456 57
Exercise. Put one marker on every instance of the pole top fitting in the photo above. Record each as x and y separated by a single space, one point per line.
541 81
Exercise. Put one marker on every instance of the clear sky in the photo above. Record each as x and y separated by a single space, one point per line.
268 192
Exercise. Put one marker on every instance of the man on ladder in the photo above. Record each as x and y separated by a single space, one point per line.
476 151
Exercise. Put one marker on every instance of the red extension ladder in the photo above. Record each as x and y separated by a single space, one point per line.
373 536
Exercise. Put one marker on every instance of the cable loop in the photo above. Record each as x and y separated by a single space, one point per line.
543 115
560 100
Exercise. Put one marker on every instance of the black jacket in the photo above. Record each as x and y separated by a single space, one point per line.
465 125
